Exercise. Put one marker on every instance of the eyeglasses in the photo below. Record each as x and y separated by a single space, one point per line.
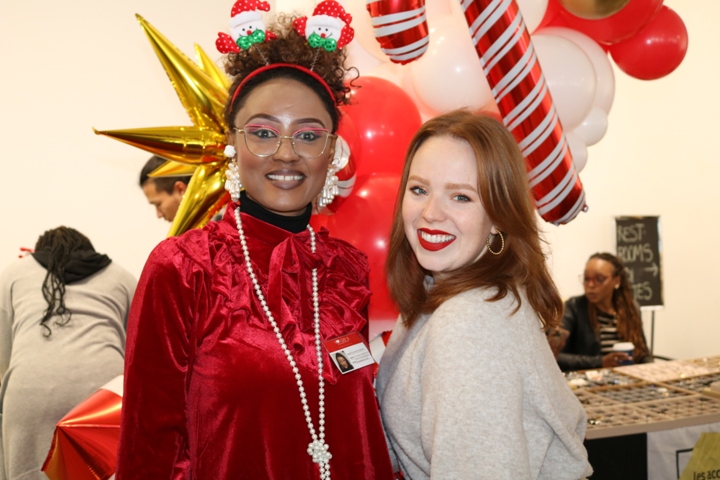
264 141
597 279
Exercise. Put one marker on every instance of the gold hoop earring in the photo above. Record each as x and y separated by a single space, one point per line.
502 244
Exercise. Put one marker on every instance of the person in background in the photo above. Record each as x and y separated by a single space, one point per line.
468 386
227 376
606 314
63 313
164 193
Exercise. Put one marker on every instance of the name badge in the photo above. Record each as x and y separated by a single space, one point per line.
349 352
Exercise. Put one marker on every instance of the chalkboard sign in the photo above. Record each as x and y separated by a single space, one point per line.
638 246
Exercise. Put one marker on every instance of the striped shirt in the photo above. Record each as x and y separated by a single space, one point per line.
608 331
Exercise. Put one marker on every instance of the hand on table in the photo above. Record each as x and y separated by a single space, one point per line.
615 359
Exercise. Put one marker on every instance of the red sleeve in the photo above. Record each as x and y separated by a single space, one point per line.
160 348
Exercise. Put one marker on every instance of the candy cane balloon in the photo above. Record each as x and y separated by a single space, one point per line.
400 27
521 93
511 66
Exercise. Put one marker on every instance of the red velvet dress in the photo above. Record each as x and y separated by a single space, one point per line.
209 394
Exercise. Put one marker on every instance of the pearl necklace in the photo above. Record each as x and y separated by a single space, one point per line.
317 449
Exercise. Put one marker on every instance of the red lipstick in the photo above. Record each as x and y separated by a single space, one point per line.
432 246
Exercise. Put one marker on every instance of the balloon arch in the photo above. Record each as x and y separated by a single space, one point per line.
543 66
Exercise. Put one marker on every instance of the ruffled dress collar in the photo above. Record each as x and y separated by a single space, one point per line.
283 262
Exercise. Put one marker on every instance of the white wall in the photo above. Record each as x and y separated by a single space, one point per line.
69 66
657 159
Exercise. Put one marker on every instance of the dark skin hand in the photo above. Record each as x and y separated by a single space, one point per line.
614 359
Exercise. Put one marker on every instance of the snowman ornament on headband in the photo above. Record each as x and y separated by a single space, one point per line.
247 27
328 27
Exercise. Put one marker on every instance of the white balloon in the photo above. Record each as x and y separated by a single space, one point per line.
578 150
362 25
594 127
533 12
389 71
456 8
437 8
360 58
570 77
406 83
605 89
449 75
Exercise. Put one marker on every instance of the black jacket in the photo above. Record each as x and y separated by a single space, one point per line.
582 349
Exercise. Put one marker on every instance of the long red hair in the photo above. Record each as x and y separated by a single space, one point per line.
505 195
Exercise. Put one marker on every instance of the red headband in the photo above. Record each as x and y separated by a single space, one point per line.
265 68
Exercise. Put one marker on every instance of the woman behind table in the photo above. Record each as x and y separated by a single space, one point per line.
225 339
604 315
468 386
62 336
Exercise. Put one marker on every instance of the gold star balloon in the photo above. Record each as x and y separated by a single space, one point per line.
198 149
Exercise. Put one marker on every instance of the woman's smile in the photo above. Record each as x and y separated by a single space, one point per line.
285 179
434 240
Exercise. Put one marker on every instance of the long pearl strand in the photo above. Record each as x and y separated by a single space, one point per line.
317 449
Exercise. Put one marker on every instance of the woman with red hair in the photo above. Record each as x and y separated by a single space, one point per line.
468 386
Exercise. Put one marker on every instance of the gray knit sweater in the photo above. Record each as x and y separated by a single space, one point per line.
474 392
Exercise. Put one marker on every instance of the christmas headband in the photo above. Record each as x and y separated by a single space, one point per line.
272 66
328 28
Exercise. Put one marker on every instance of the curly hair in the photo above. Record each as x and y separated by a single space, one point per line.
289 47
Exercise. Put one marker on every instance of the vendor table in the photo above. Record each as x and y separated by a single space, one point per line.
625 406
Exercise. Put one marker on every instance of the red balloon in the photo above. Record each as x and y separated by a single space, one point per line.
348 130
364 220
552 16
85 442
386 119
618 26
320 221
656 50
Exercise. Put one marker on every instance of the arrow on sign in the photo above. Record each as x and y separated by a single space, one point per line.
654 269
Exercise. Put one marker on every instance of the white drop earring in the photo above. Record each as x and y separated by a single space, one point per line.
341 158
330 189
232 175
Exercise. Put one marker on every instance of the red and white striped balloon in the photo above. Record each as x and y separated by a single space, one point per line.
521 93
511 66
400 27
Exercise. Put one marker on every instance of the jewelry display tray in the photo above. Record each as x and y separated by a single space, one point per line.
649 397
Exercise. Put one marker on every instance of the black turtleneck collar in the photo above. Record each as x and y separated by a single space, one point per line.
294 224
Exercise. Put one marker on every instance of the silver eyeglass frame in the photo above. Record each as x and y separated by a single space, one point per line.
280 138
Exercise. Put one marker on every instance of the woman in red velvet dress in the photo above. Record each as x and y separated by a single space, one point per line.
226 374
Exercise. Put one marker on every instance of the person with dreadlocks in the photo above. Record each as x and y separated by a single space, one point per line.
227 373
63 313
606 314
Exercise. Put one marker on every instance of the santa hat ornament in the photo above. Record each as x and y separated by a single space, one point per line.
246 27
328 27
